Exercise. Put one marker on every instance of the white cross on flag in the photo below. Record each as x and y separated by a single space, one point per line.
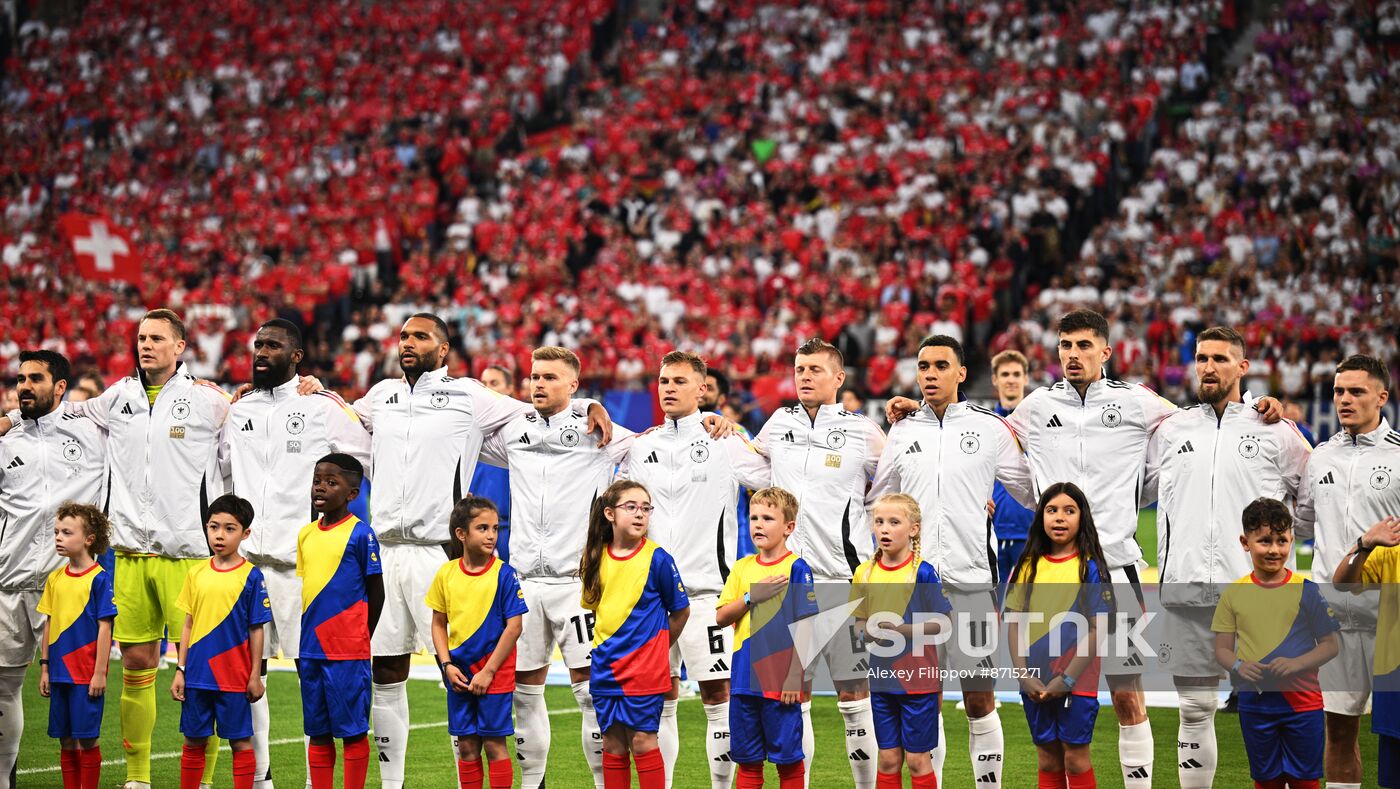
103 250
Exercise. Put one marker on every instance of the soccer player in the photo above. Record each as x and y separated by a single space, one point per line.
1093 431
716 391
491 481
1375 560
342 595
48 458
77 638
268 447
1205 464
164 425
219 675
765 593
557 469
694 480
1352 481
948 455
636 592
1059 572
826 456
897 583
713 401
427 429
1273 630
1012 520
477 606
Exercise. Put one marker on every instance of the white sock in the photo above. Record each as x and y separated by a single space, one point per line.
1196 756
306 757
531 734
861 749
391 732
717 745
262 721
592 737
939 754
1135 755
984 745
809 743
11 720
668 738
1335 785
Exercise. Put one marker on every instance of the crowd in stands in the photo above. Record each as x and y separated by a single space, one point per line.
726 178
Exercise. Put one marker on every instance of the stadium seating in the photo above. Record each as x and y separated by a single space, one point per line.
729 179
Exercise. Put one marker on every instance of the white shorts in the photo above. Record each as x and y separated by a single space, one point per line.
1187 644
555 617
706 648
845 655
283 633
1346 678
979 648
406 623
1127 592
21 627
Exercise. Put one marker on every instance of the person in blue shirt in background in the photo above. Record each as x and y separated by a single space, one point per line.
492 482
1011 521
712 401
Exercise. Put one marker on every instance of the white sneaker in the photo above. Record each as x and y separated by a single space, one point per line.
136 785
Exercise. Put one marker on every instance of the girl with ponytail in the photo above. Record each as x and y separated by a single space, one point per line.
637 593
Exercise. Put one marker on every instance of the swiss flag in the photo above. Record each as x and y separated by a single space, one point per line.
104 251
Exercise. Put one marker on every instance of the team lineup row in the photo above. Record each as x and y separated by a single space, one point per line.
170 443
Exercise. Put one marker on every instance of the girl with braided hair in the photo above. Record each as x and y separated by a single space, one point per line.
899 592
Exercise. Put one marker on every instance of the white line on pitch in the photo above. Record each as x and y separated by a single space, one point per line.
283 741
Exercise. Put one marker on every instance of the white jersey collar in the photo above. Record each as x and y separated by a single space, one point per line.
1370 439
288 389
180 369
430 377
685 422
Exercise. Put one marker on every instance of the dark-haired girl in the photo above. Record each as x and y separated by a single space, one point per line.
1061 572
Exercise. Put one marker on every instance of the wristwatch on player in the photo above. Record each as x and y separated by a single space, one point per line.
1361 546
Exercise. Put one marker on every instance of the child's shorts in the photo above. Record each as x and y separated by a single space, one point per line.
906 720
230 709
73 713
1283 743
1069 720
638 713
763 729
1388 762
335 697
470 715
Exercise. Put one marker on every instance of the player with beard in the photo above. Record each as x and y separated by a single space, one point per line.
269 448
1205 464
1093 431
47 459
1352 482
427 429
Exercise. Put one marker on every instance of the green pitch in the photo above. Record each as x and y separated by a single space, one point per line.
431 764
